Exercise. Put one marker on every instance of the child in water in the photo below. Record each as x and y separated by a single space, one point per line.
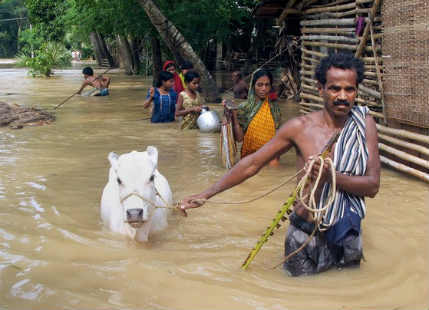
189 102
100 83
163 98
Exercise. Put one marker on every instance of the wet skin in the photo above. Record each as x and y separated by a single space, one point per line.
308 134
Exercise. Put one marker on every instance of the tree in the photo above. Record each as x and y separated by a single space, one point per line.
13 17
176 42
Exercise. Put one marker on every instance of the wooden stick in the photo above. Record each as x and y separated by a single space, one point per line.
68 98
380 83
334 22
64 101
331 45
370 91
332 15
403 134
415 147
329 38
401 167
331 4
362 43
334 8
328 30
403 155
313 53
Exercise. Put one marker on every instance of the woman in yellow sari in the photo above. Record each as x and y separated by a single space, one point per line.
256 120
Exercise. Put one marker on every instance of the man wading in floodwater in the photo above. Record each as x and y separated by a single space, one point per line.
357 165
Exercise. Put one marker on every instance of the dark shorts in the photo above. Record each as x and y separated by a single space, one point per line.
319 255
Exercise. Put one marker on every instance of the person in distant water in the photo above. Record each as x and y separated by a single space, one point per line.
338 237
256 120
190 102
240 88
185 67
170 66
163 98
100 83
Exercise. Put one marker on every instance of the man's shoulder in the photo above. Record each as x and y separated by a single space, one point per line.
304 120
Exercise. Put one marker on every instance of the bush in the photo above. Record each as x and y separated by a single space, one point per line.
48 56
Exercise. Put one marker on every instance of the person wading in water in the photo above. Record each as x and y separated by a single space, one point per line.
356 159
256 120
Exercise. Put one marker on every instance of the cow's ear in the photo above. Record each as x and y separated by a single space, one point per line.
152 152
113 159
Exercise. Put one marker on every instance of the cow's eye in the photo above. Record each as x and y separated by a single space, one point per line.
152 178
119 181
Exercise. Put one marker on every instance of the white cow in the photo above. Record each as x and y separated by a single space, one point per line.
130 197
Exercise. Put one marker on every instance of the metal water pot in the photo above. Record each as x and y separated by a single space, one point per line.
208 121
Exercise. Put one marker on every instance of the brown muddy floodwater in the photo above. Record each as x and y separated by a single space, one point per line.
55 253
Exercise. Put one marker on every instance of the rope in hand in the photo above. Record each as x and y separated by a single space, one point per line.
218 202
311 206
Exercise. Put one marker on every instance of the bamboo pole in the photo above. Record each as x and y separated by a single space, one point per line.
380 83
331 4
333 22
329 38
403 134
370 82
310 59
334 8
350 30
332 15
370 91
313 53
405 156
331 45
401 167
415 147
285 12
362 43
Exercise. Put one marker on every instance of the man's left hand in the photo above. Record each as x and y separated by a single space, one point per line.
326 171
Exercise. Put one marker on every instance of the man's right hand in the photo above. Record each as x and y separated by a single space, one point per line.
190 202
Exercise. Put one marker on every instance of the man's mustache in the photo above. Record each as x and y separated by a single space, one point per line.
342 102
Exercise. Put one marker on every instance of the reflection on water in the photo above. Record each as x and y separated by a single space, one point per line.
55 254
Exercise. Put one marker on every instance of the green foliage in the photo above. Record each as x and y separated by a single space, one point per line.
48 18
12 19
50 55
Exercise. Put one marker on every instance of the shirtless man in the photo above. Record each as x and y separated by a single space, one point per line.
100 83
356 161
240 88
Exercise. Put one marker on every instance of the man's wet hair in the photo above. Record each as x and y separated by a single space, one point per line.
187 65
164 76
260 73
88 71
342 61
190 75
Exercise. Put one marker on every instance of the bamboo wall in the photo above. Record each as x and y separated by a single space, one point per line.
332 27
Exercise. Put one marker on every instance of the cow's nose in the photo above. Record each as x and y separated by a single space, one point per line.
135 217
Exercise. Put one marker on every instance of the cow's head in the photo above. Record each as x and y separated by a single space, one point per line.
134 175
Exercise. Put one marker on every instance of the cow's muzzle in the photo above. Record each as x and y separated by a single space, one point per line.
135 217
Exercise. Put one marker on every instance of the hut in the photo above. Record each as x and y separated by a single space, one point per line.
392 38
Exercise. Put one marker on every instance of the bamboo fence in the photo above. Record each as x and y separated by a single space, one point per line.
332 26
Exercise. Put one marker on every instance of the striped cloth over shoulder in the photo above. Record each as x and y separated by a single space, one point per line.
350 158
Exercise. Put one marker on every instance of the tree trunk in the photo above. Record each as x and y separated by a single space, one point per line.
177 43
97 48
106 52
100 49
156 57
135 51
126 54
